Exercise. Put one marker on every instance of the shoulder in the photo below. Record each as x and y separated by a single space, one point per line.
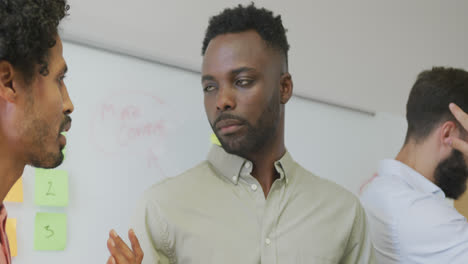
388 196
322 187
325 192
199 177
425 217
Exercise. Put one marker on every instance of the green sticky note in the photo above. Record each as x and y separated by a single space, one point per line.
51 188
50 232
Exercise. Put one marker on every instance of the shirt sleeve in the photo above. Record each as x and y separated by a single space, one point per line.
433 233
152 231
359 249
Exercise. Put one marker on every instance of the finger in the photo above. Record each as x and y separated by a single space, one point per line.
116 255
119 250
135 246
460 115
122 246
460 145
111 260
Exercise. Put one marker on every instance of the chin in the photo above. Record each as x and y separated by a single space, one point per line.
230 142
234 147
48 160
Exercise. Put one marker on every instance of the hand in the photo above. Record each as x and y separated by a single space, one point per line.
120 252
462 117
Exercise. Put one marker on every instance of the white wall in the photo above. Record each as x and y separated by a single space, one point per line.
361 53
112 159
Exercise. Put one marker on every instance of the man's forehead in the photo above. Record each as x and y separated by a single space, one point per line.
55 58
236 50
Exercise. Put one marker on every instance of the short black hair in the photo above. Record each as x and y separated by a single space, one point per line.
244 18
28 29
429 99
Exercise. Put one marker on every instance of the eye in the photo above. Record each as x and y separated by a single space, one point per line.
209 88
244 82
61 78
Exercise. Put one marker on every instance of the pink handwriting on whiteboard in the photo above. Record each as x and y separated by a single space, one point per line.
130 122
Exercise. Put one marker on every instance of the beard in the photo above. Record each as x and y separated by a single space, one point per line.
451 175
42 156
41 137
256 137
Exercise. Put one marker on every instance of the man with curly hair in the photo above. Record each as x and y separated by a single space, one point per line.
249 202
34 101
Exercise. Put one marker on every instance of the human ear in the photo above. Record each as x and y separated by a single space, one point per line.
7 73
286 88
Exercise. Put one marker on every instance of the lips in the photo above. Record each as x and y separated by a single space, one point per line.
227 123
228 126
66 125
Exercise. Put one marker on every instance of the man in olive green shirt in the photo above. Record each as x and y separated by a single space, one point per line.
249 202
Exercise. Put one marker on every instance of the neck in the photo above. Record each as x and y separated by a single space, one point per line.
264 161
419 158
11 170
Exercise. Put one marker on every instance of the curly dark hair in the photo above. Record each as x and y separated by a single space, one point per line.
243 18
28 29
429 99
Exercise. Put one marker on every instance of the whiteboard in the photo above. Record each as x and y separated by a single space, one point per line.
362 53
136 123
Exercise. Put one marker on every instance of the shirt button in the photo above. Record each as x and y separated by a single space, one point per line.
254 187
267 241
234 178
248 165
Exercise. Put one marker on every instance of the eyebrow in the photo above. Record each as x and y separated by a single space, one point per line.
207 78
233 72
241 70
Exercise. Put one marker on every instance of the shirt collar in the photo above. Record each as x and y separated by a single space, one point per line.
392 167
233 167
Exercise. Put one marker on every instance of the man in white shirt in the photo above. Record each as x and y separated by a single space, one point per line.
410 220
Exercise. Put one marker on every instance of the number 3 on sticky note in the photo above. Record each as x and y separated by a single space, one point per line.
51 188
50 231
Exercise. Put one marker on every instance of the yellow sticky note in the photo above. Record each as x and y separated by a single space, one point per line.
215 140
11 234
16 193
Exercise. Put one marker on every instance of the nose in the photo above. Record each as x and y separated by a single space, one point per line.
68 106
225 99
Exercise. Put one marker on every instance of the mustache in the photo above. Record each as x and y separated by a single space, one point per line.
67 120
229 117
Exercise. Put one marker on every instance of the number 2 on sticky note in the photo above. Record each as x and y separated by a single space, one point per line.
51 188
49 192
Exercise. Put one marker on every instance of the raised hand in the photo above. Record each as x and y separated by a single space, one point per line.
120 252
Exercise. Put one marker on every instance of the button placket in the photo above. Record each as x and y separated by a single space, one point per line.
270 221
